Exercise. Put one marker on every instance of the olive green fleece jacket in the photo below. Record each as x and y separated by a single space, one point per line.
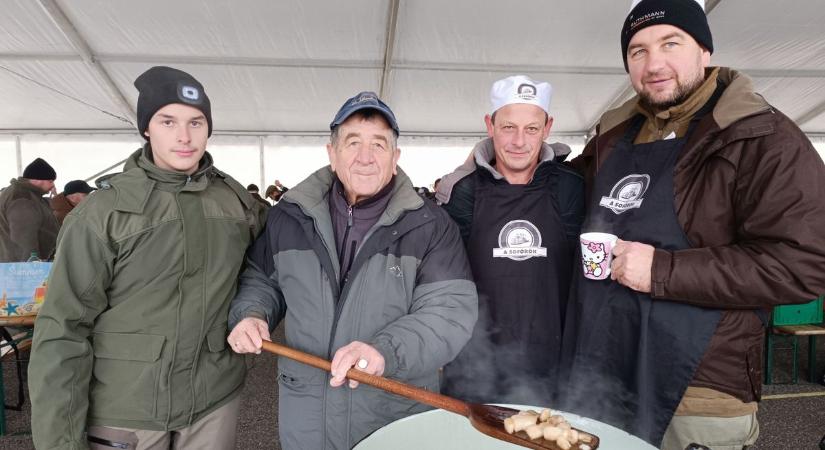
133 329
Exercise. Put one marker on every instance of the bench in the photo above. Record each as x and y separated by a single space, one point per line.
793 332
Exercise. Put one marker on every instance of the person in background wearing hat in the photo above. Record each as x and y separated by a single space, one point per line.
254 192
716 198
27 226
73 193
519 211
129 347
365 273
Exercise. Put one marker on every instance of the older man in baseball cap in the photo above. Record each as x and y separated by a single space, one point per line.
364 272
519 212
716 198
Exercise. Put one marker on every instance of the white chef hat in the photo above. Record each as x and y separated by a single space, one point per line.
520 89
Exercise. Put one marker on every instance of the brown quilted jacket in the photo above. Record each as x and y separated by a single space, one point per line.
749 190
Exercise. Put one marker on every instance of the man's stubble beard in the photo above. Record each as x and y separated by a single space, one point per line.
682 92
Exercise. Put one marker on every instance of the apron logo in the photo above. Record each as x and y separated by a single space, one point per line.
519 240
627 194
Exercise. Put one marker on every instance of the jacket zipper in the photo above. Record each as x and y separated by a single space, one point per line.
342 284
343 248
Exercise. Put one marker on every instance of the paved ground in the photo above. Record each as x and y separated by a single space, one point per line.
788 418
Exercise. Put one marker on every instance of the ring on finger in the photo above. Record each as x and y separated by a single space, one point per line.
362 363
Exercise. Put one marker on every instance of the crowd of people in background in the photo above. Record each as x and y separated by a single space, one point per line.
29 223
271 196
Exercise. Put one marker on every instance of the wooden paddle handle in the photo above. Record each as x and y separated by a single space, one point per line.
405 390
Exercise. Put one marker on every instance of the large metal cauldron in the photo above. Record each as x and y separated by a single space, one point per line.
442 430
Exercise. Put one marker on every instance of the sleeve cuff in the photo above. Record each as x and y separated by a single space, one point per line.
659 272
385 348
235 318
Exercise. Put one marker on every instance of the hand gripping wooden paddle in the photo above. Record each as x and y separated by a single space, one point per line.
488 419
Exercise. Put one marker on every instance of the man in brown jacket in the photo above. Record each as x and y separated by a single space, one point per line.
27 225
716 198
73 193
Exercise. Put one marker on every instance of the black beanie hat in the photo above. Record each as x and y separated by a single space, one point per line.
161 86
39 169
684 14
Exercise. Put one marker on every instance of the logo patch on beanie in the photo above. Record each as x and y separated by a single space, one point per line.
655 15
190 93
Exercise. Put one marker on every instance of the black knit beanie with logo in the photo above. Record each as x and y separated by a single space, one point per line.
161 86
683 14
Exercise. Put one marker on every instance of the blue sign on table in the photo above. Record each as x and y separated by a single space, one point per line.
22 287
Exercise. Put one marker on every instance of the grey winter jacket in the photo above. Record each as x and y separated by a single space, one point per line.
409 294
27 223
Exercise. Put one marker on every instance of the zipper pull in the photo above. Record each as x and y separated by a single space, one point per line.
349 216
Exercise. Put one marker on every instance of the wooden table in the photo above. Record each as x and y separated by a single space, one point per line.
17 321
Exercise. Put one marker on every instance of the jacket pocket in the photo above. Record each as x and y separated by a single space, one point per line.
220 370
126 375
216 338
299 377
754 358
301 406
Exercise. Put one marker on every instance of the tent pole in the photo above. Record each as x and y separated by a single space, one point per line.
73 36
392 26
105 170
18 155
262 171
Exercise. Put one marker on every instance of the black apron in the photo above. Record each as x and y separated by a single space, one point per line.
520 259
634 356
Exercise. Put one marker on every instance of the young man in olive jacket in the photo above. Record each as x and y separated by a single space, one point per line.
362 270
129 348
717 199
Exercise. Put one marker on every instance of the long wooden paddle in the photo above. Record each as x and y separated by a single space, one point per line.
488 419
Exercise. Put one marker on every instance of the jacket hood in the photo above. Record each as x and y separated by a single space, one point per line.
140 176
482 156
737 102
23 184
142 160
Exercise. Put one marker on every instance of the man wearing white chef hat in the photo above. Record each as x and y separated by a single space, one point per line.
519 211
724 223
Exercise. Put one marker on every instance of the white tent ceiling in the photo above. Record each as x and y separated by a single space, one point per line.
284 67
